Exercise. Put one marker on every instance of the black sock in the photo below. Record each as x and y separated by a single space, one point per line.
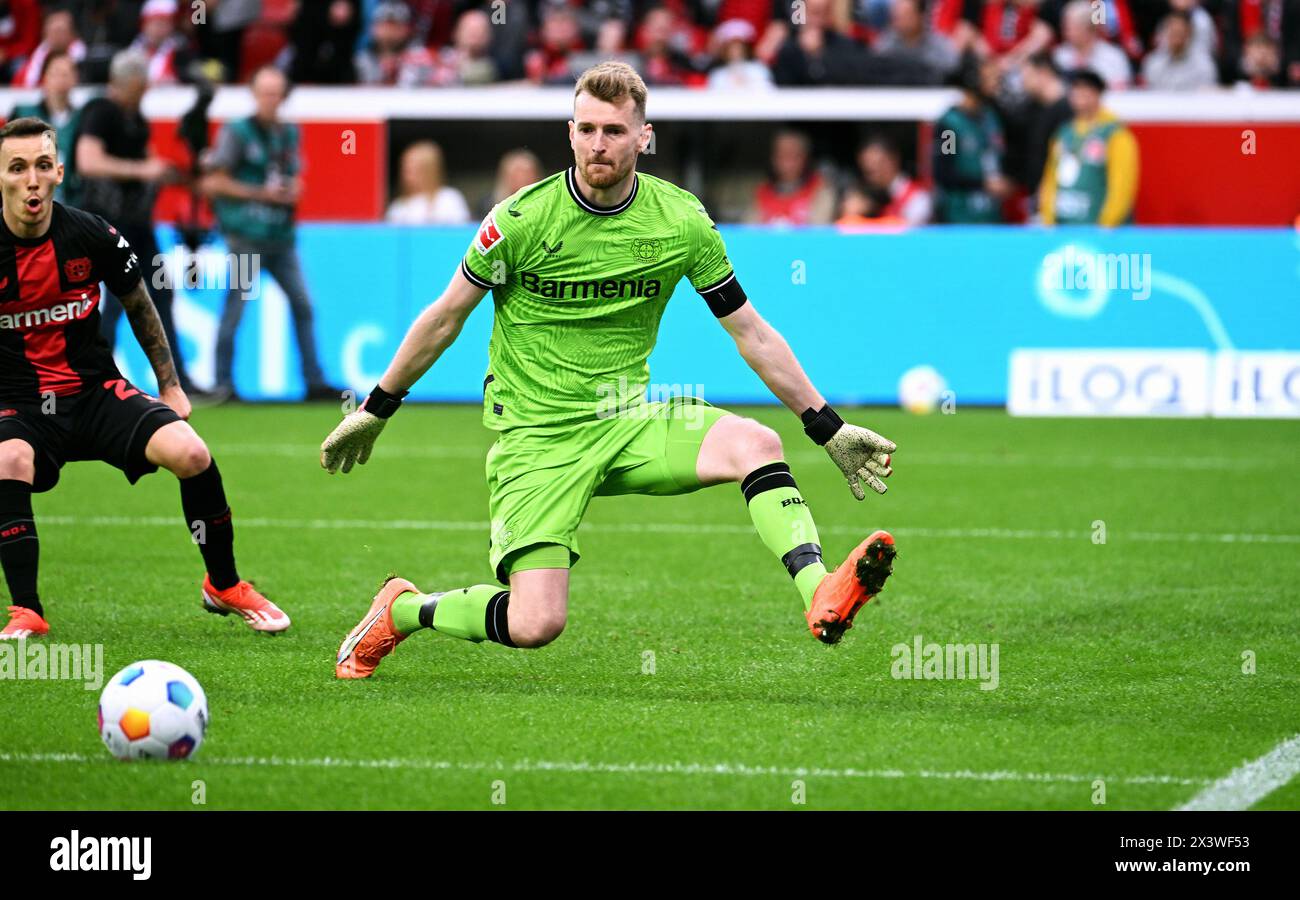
19 548
207 515
496 619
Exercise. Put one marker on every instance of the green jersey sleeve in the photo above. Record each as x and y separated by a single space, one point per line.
710 271
488 260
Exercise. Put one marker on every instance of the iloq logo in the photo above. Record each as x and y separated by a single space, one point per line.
1109 383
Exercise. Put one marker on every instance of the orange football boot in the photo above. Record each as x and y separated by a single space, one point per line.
257 612
375 636
846 590
24 623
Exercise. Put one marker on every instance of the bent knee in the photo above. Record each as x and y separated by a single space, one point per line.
759 445
17 461
188 459
536 630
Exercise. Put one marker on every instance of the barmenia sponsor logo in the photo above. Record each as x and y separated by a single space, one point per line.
34 318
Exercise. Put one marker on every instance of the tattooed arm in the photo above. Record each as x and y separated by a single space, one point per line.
149 332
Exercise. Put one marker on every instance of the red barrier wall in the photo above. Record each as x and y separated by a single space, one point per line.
1194 174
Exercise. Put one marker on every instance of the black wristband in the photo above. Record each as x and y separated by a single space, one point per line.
381 403
821 425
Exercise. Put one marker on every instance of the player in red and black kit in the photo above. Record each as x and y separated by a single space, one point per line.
62 397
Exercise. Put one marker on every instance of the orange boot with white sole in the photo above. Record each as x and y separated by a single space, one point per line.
24 623
846 590
375 636
243 599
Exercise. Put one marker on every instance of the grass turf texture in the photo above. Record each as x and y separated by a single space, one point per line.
1118 661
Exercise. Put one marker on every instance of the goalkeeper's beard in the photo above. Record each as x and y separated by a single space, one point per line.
605 176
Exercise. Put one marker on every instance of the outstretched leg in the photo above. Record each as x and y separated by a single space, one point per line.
177 448
745 451
742 450
530 614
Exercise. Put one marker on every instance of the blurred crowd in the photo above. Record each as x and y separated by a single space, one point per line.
720 44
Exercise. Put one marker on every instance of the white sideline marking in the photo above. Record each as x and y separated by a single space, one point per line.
311 452
902 531
674 768
1252 781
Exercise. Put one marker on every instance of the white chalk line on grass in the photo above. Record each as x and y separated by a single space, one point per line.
310 453
1252 781
634 768
902 531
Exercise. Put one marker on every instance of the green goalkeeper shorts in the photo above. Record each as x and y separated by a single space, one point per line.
541 478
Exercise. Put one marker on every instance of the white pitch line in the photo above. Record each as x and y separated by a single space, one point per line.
902 531
673 768
1251 782
310 453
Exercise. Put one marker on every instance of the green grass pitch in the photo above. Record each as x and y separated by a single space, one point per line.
1121 662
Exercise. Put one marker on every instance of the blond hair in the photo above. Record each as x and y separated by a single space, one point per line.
612 81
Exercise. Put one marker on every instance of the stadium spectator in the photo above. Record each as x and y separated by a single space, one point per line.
55 106
1049 109
392 56
1116 23
611 46
120 180
58 35
468 60
253 176
426 198
107 27
817 53
1083 47
737 70
1008 30
559 36
20 32
228 21
1091 174
1177 63
967 156
664 45
794 193
1205 34
881 165
168 51
512 29
322 39
862 205
1261 63
1279 21
516 169
910 44
593 15
433 22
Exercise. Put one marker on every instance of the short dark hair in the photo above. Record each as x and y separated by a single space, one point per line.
52 57
1043 60
28 126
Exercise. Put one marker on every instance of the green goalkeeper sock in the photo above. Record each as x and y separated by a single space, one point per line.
476 613
785 524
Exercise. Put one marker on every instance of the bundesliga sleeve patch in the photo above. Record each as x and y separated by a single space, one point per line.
489 235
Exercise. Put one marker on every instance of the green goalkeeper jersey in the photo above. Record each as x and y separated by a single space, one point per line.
579 291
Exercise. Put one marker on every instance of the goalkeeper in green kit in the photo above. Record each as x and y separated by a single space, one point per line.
581 266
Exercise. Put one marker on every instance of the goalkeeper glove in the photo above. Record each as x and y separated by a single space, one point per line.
353 439
859 452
